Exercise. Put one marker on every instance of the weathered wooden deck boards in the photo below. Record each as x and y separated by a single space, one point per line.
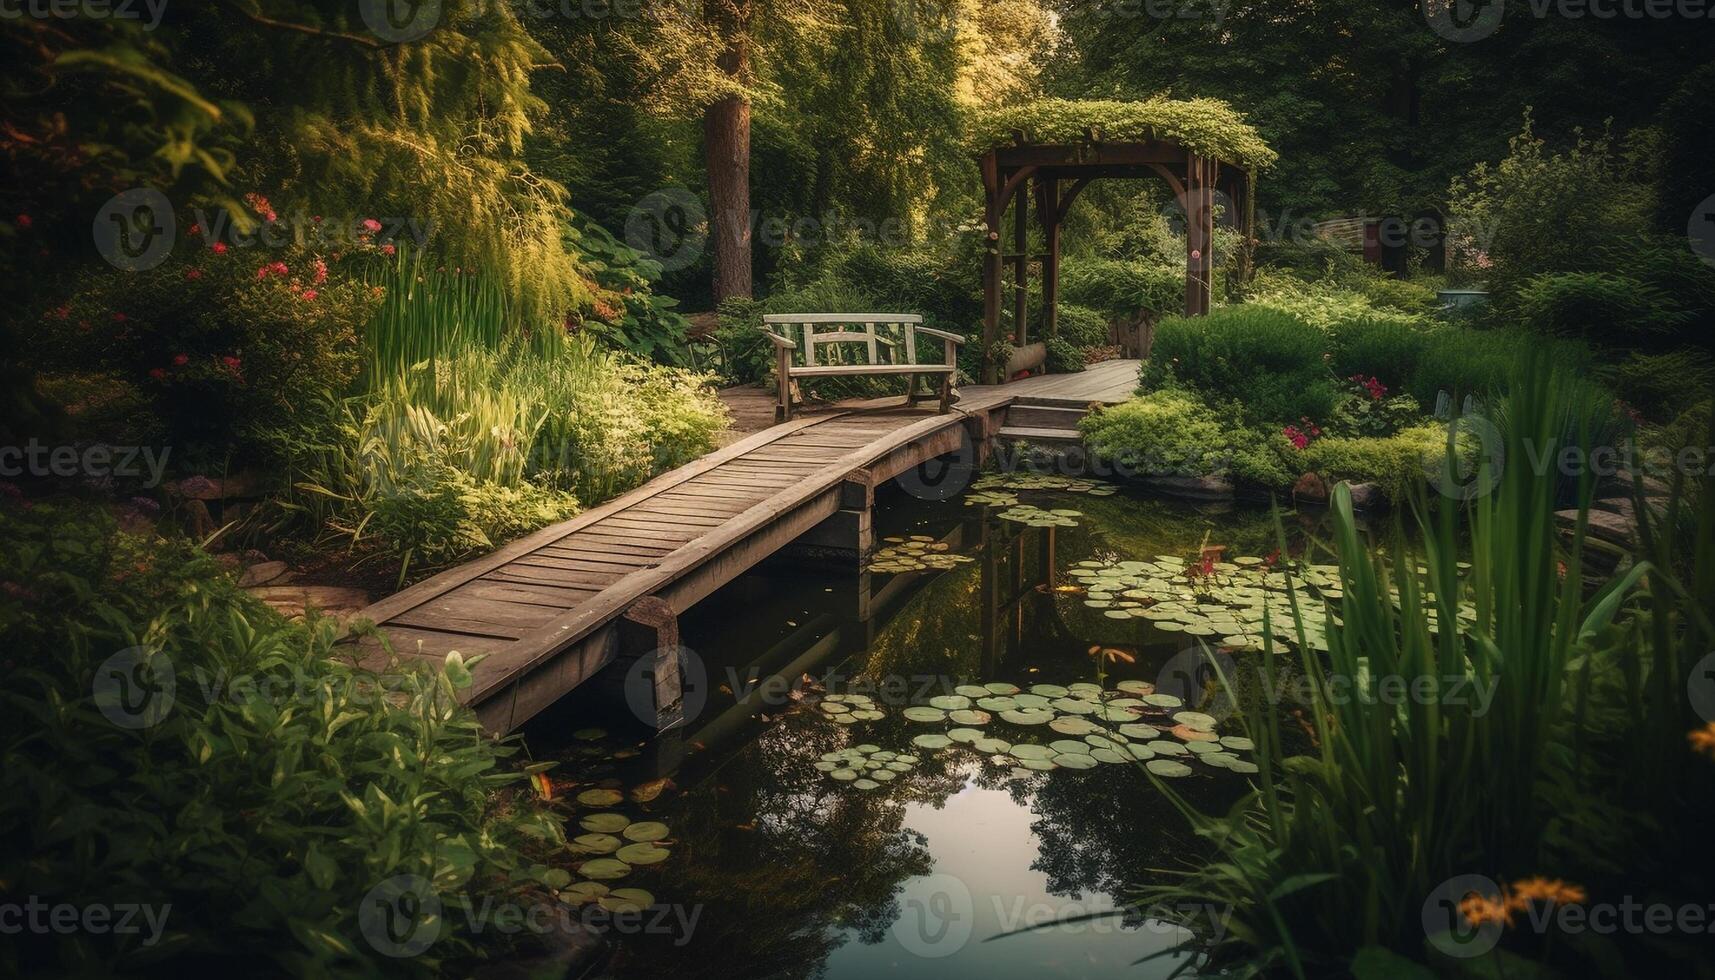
547 607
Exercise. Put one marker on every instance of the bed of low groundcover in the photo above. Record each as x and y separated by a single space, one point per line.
275 790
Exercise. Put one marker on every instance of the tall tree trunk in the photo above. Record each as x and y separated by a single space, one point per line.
726 141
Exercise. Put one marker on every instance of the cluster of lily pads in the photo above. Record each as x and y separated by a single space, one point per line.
866 766
1044 481
1225 600
1124 725
848 709
615 845
1037 517
914 554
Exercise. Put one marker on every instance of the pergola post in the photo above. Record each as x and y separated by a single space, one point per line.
1048 212
1020 261
1199 204
993 206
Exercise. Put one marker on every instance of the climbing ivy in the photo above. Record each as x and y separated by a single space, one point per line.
1209 126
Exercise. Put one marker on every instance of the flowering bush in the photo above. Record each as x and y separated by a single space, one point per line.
223 347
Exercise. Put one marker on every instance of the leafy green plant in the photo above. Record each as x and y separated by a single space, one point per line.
1167 433
1082 326
1397 463
1118 288
1597 306
1063 357
273 788
628 313
1270 362
1207 125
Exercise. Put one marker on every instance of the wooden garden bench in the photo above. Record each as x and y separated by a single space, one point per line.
884 351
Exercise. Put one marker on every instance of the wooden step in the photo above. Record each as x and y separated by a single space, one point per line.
1026 415
1028 433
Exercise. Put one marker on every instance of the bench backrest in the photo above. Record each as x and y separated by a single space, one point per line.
873 332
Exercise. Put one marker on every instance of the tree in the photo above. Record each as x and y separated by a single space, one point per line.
726 138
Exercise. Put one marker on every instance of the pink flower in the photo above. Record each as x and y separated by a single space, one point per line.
219 248
309 294
159 374
321 271
24 221
232 363
371 224
193 273
388 249
180 360
118 318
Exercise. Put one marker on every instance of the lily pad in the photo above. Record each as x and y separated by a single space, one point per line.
1074 726
1195 719
648 830
1066 746
1028 716
969 716
1107 755
950 702
1167 768
605 823
844 775
1049 690
991 746
1001 688
595 843
997 704
972 690
643 852
604 869
1075 760
626 900
1238 742
583 891
866 784
924 714
600 797
968 735
1027 751
932 741
1140 731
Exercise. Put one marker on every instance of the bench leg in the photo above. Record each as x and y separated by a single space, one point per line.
946 392
910 390
783 372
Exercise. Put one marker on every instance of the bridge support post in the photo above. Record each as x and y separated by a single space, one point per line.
649 631
848 533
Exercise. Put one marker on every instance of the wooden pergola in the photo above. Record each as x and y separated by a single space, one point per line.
1053 175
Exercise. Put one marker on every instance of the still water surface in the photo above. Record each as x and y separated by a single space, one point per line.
778 870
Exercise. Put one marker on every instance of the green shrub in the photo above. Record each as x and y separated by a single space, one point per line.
1395 463
1664 385
1597 306
1118 288
1082 326
439 514
1167 433
263 796
1424 361
1063 357
1326 304
222 347
1261 458
1268 361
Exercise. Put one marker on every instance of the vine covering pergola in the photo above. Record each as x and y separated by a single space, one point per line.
1047 152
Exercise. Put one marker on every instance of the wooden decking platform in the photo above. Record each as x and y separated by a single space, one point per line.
553 608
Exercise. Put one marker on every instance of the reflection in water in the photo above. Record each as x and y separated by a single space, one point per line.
792 874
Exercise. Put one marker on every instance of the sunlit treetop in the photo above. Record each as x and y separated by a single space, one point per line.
1209 126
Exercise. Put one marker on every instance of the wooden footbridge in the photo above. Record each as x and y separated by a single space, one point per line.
554 608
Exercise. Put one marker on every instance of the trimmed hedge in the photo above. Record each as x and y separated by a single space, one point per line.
1268 361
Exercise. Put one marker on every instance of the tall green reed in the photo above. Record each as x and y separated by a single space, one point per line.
1336 850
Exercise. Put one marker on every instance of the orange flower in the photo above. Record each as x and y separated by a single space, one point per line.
1703 740
1550 890
1480 909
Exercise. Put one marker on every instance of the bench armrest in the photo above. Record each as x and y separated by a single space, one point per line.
779 341
943 334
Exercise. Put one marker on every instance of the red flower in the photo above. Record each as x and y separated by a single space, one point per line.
279 269
309 294
24 221
371 224
60 313
388 249
118 318
180 360
1298 439
219 248
321 271
159 374
193 273
232 363
195 229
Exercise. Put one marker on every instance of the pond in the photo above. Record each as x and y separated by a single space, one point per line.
885 772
